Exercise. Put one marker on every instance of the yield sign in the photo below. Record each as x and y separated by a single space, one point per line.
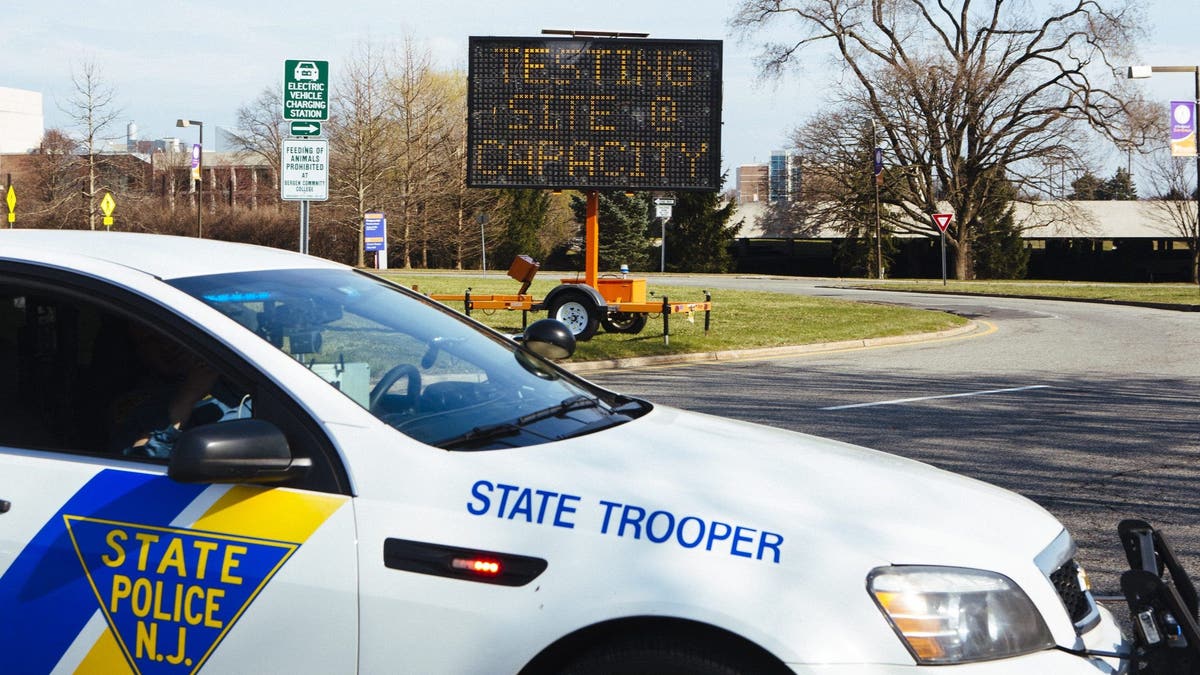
942 220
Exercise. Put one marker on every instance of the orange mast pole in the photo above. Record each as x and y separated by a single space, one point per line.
592 240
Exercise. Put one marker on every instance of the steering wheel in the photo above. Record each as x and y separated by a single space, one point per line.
389 378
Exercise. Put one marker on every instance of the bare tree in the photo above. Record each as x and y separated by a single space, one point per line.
91 110
362 140
261 129
1174 201
55 173
959 90
172 171
420 98
462 217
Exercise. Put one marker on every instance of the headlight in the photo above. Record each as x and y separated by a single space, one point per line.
953 615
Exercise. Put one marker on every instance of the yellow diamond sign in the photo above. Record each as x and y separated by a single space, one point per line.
107 205
12 204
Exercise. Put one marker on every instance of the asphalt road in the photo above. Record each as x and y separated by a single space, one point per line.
1092 411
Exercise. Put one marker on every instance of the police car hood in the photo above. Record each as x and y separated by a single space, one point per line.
815 492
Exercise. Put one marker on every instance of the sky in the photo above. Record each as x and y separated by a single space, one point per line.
202 60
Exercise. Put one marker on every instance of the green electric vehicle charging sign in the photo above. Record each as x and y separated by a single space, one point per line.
305 90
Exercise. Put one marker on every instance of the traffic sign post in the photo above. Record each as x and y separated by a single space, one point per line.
107 204
662 211
304 176
942 221
375 237
305 171
305 90
305 128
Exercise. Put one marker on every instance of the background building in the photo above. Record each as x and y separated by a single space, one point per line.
785 177
752 184
21 120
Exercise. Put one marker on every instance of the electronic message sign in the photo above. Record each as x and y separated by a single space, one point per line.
594 114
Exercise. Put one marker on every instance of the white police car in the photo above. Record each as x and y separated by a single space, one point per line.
374 483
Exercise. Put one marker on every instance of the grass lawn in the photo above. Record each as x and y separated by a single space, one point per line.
740 320
1179 294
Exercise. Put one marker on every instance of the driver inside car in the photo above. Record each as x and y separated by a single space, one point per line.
168 383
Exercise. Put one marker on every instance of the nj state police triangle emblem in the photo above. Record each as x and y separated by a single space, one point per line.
171 595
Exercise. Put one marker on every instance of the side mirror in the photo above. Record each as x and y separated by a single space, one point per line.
237 451
549 338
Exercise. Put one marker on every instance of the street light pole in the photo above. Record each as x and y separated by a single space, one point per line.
200 179
1138 72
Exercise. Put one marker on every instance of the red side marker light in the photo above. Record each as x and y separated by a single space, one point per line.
481 566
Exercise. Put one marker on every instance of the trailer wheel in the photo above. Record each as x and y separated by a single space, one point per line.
624 322
578 312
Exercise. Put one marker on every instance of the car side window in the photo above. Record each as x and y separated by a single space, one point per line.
80 377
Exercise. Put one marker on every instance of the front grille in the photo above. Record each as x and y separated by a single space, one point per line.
1066 581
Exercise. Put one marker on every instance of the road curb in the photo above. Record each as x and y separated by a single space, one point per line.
764 352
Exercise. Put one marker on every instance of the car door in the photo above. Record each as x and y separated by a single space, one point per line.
107 565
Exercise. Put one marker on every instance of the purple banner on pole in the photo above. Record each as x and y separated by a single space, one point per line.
1183 128
196 161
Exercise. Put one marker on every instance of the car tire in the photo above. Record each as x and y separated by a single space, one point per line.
624 322
578 311
663 656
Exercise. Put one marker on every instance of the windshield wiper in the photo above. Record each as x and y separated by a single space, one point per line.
577 402
479 434
489 432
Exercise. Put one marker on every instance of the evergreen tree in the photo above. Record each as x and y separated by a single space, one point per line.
699 234
624 223
1086 188
854 256
1119 187
1000 252
524 215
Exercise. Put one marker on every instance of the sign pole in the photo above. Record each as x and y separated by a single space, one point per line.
483 241
304 226
663 252
304 174
943 257
942 221
662 211
878 171
11 198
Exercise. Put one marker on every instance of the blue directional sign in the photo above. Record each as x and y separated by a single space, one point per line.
374 232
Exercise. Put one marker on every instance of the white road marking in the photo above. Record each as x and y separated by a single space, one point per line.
930 398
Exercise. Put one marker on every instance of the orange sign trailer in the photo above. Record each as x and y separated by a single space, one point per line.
618 303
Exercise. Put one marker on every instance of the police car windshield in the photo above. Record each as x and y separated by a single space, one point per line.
416 365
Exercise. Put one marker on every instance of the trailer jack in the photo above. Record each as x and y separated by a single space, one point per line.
1162 604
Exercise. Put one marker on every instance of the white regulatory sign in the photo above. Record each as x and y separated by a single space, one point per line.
304 175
